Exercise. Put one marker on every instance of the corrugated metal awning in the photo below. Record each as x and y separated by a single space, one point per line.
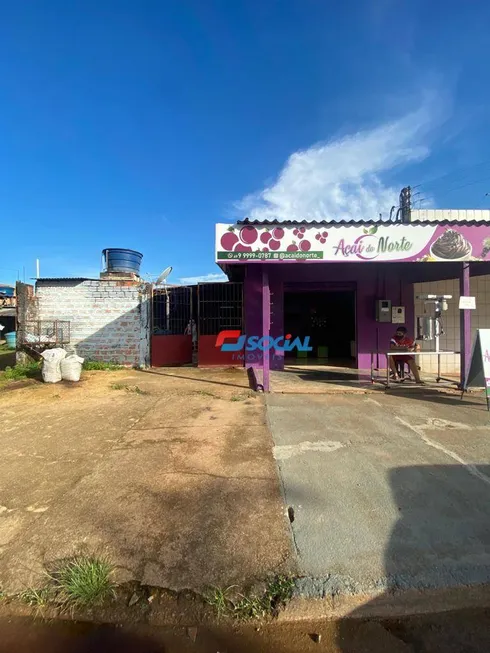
366 223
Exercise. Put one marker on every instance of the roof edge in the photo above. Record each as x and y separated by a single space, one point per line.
364 223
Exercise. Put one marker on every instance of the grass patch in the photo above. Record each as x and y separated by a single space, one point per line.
101 365
22 371
276 595
80 582
83 582
129 388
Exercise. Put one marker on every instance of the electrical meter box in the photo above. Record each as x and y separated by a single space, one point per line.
383 310
398 314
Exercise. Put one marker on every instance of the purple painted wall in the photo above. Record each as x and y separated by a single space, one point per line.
372 281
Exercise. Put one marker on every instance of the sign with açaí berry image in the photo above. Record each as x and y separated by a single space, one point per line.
383 242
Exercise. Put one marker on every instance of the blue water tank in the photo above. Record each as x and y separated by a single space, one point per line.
122 260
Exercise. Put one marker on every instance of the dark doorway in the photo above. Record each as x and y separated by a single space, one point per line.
329 318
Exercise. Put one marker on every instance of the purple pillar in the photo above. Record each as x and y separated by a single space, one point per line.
464 323
276 319
266 323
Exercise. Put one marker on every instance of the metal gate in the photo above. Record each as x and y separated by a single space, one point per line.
220 309
173 328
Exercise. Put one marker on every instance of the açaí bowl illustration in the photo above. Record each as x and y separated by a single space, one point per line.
451 246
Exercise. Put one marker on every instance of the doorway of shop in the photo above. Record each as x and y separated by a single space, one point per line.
329 319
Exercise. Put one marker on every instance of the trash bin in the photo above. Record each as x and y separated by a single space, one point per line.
11 339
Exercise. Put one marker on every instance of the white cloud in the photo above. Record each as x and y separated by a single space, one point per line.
205 277
342 178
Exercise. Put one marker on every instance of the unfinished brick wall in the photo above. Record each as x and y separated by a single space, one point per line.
27 310
109 319
26 303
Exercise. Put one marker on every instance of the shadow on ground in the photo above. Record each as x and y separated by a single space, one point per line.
438 550
439 396
7 358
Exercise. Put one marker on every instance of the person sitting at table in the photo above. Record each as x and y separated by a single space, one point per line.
402 342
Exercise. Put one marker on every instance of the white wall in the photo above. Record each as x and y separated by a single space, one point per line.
109 320
480 319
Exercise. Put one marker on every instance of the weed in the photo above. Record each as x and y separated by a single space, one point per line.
101 365
83 582
129 388
35 598
277 593
244 397
250 607
205 393
219 601
137 390
22 371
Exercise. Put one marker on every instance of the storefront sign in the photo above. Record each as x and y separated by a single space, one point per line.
260 343
479 372
383 242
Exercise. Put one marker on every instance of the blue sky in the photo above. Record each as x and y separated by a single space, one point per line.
141 124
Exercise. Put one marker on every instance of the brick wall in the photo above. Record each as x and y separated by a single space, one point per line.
26 310
26 303
109 320
480 319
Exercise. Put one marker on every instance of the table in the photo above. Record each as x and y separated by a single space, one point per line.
394 352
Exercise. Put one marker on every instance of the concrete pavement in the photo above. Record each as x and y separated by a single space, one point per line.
386 492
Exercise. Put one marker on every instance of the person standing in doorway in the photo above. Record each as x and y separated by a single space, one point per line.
402 342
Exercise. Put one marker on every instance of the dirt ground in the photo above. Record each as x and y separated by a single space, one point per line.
169 473
448 632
